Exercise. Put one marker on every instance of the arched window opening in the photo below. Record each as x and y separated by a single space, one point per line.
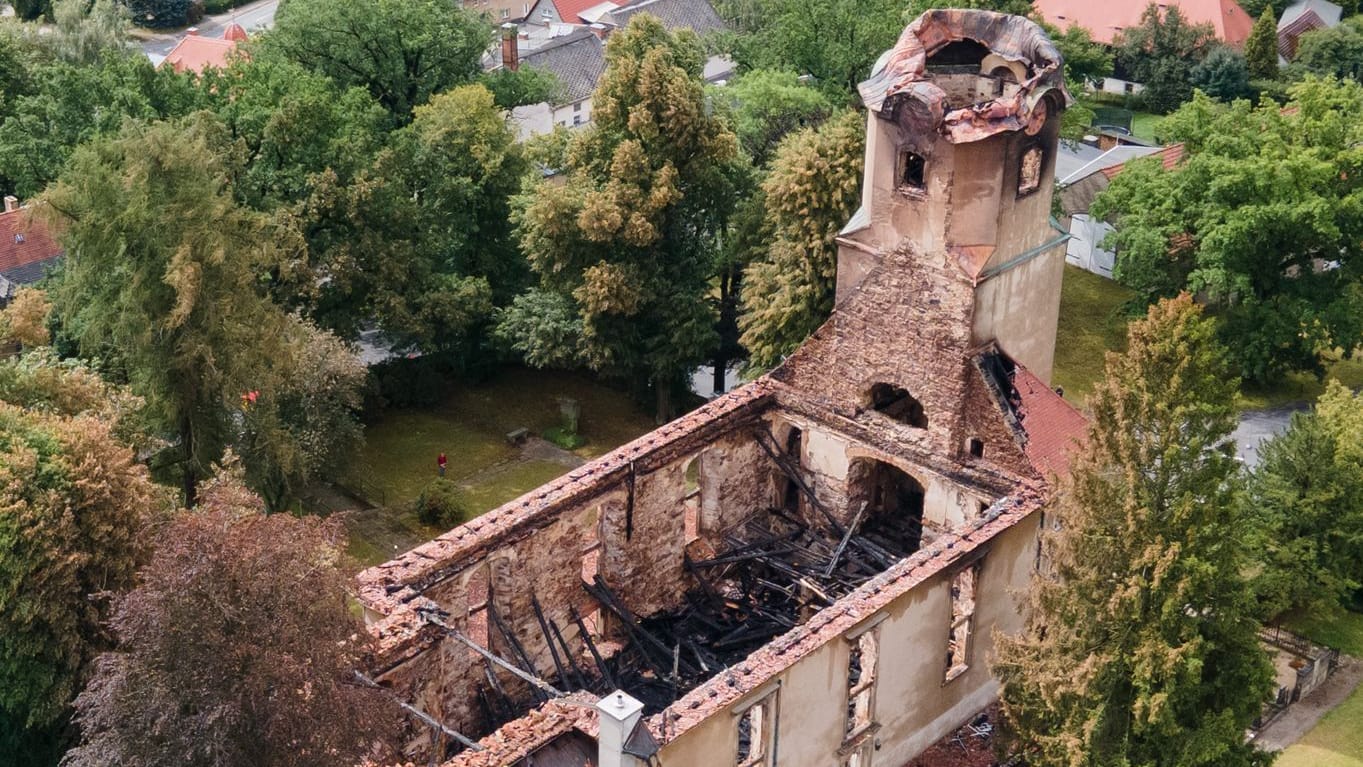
897 403
893 516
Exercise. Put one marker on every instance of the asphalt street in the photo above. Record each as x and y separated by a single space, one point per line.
252 17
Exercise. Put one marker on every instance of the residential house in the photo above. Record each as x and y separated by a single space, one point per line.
27 249
1104 19
500 10
1300 18
1082 185
577 61
565 38
195 53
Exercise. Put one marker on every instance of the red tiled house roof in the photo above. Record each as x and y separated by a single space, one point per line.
1104 19
26 247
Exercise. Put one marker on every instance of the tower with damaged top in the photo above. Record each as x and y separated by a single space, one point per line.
963 121
953 252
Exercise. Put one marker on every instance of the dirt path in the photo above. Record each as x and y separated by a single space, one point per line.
1307 712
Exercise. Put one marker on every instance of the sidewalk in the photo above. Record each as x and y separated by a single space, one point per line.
1303 715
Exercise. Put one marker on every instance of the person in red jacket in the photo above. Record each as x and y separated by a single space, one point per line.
440 463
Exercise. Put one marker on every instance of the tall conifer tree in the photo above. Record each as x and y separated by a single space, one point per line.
1261 48
1140 647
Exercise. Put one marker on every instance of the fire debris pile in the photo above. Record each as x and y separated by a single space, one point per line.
775 574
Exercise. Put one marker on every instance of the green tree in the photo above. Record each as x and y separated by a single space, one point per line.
1333 52
165 278
813 188
31 10
304 427
86 31
73 507
1086 62
460 162
1160 54
401 51
236 647
160 13
766 105
1264 217
290 124
72 102
835 41
1140 646
1261 48
629 240
1307 500
1222 75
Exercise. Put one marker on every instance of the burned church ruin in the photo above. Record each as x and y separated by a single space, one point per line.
808 570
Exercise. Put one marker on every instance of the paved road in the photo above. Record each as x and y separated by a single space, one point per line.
252 17
1259 425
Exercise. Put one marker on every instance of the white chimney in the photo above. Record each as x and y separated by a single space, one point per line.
192 32
11 203
619 715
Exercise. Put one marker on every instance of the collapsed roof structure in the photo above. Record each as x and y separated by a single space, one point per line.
814 564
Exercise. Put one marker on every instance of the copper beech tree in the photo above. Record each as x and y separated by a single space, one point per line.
1140 646
236 648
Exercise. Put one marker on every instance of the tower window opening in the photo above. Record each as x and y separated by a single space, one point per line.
1029 171
976 447
897 403
912 169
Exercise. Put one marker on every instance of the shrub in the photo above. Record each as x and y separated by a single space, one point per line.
441 504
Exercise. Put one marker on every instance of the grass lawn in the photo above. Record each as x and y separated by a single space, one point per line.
470 427
1336 628
1092 322
1338 740
1303 387
1143 125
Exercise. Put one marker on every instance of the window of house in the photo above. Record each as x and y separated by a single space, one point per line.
863 664
1129 87
506 13
756 732
1029 173
976 447
912 172
962 620
577 107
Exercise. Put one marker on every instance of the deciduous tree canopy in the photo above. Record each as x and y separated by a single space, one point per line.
1264 218
401 51
74 505
1161 53
629 240
1306 498
236 647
